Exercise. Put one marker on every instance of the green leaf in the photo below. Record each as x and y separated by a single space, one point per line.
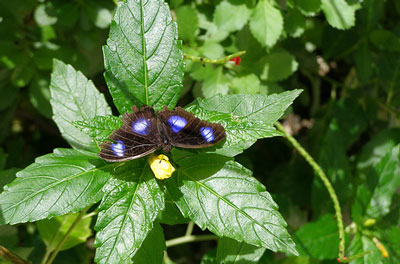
153 247
370 14
171 214
339 13
131 203
56 184
216 83
385 40
266 23
245 117
75 98
278 66
99 12
39 94
308 7
319 239
295 23
45 14
230 16
53 230
143 58
23 72
227 200
247 84
232 251
364 62
379 145
361 244
188 22
100 127
383 181
388 69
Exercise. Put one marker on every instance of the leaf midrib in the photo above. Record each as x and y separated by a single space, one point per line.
144 51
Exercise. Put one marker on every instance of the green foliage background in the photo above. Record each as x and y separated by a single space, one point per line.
344 54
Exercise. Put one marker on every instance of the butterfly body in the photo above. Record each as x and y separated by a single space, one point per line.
143 133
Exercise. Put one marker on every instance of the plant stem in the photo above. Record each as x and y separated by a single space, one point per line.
189 229
189 239
327 184
61 243
214 61
5 253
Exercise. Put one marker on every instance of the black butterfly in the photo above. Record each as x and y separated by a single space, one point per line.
143 132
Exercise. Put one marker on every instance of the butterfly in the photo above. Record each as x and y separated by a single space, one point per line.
142 133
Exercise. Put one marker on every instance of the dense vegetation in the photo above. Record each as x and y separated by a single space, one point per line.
319 186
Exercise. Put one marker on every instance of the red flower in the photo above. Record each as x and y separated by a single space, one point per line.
237 60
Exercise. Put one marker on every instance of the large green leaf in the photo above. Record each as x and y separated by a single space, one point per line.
75 98
100 127
318 239
339 13
131 203
143 58
232 251
52 231
55 184
227 200
266 23
245 117
152 249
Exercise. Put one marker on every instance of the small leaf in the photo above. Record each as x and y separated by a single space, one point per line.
278 66
153 247
339 13
39 94
45 14
229 202
385 40
247 84
56 184
188 22
319 239
215 84
74 98
361 244
295 23
131 203
266 23
100 127
231 17
308 7
99 12
384 180
53 230
143 58
232 251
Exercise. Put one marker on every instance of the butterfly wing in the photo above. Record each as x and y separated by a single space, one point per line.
184 130
137 137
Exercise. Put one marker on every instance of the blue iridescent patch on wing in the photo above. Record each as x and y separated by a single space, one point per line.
141 126
118 148
207 133
177 123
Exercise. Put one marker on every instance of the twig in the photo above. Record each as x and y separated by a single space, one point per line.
188 239
5 253
214 61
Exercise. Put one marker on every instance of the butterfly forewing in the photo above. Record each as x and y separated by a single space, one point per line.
186 131
137 137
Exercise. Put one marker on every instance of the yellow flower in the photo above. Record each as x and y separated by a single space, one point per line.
160 166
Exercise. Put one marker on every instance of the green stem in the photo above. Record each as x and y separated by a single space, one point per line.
61 243
189 229
189 239
214 61
327 184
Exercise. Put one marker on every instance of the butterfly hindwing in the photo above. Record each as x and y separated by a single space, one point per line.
187 131
137 137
